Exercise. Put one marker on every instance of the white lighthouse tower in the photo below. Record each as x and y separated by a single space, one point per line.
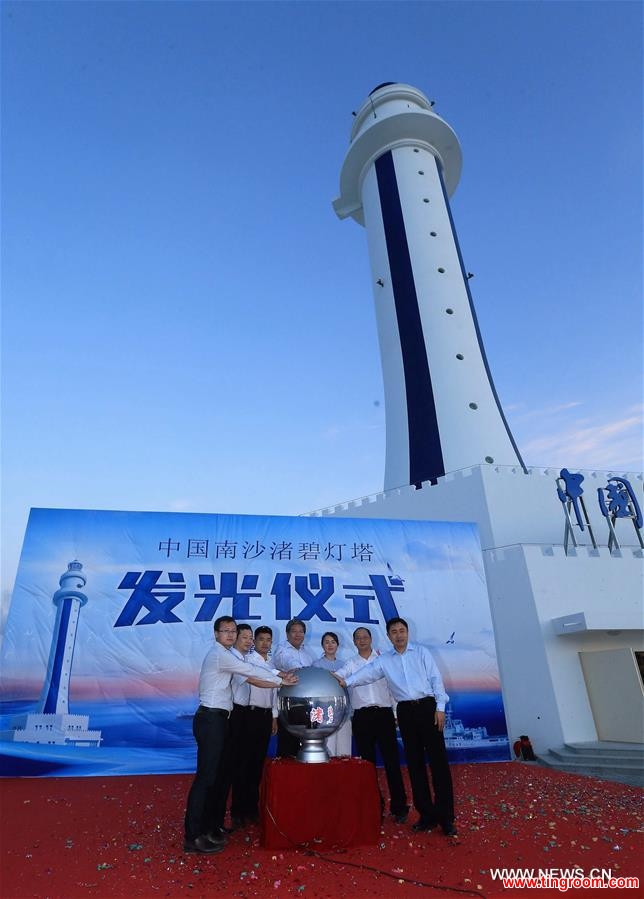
52 722
442 411
569 621
69 600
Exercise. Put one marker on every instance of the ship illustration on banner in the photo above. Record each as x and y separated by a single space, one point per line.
458 736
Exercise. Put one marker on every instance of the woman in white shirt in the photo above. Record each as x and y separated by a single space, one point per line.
338 743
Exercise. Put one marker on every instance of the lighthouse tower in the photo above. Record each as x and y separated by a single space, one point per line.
555 613
442 410
69 601
52 722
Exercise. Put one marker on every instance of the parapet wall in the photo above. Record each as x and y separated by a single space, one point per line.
509 505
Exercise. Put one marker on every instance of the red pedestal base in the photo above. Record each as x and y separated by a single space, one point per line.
335 804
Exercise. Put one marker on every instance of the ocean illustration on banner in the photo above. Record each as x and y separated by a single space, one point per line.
100 676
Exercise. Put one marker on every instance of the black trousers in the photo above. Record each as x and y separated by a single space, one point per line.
422 738
209 727
229 768
257 734
373 727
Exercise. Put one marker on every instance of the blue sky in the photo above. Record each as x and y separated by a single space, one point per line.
186 324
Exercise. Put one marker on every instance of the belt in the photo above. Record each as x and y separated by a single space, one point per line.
259 708
204 709
371 708
417 701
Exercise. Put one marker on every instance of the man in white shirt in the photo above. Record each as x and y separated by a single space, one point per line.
229 776
209 727
261 724
374 724
416 685
289 655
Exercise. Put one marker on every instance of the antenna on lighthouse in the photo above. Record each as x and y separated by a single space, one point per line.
442 410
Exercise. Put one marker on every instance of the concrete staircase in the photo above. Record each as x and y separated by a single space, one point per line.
620 762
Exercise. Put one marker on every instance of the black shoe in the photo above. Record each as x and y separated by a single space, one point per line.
400 817
449 830
219 831
216 838
201 844
423 824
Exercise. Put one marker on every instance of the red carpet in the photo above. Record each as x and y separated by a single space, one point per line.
64 838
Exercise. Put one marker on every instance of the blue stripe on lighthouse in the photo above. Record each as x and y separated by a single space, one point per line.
425 453
57 667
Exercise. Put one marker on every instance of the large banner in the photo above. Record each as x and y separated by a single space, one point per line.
112 614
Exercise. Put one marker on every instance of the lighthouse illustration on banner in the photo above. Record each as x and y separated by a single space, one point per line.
442 410
52 722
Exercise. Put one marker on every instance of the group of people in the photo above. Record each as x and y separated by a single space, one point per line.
238 714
